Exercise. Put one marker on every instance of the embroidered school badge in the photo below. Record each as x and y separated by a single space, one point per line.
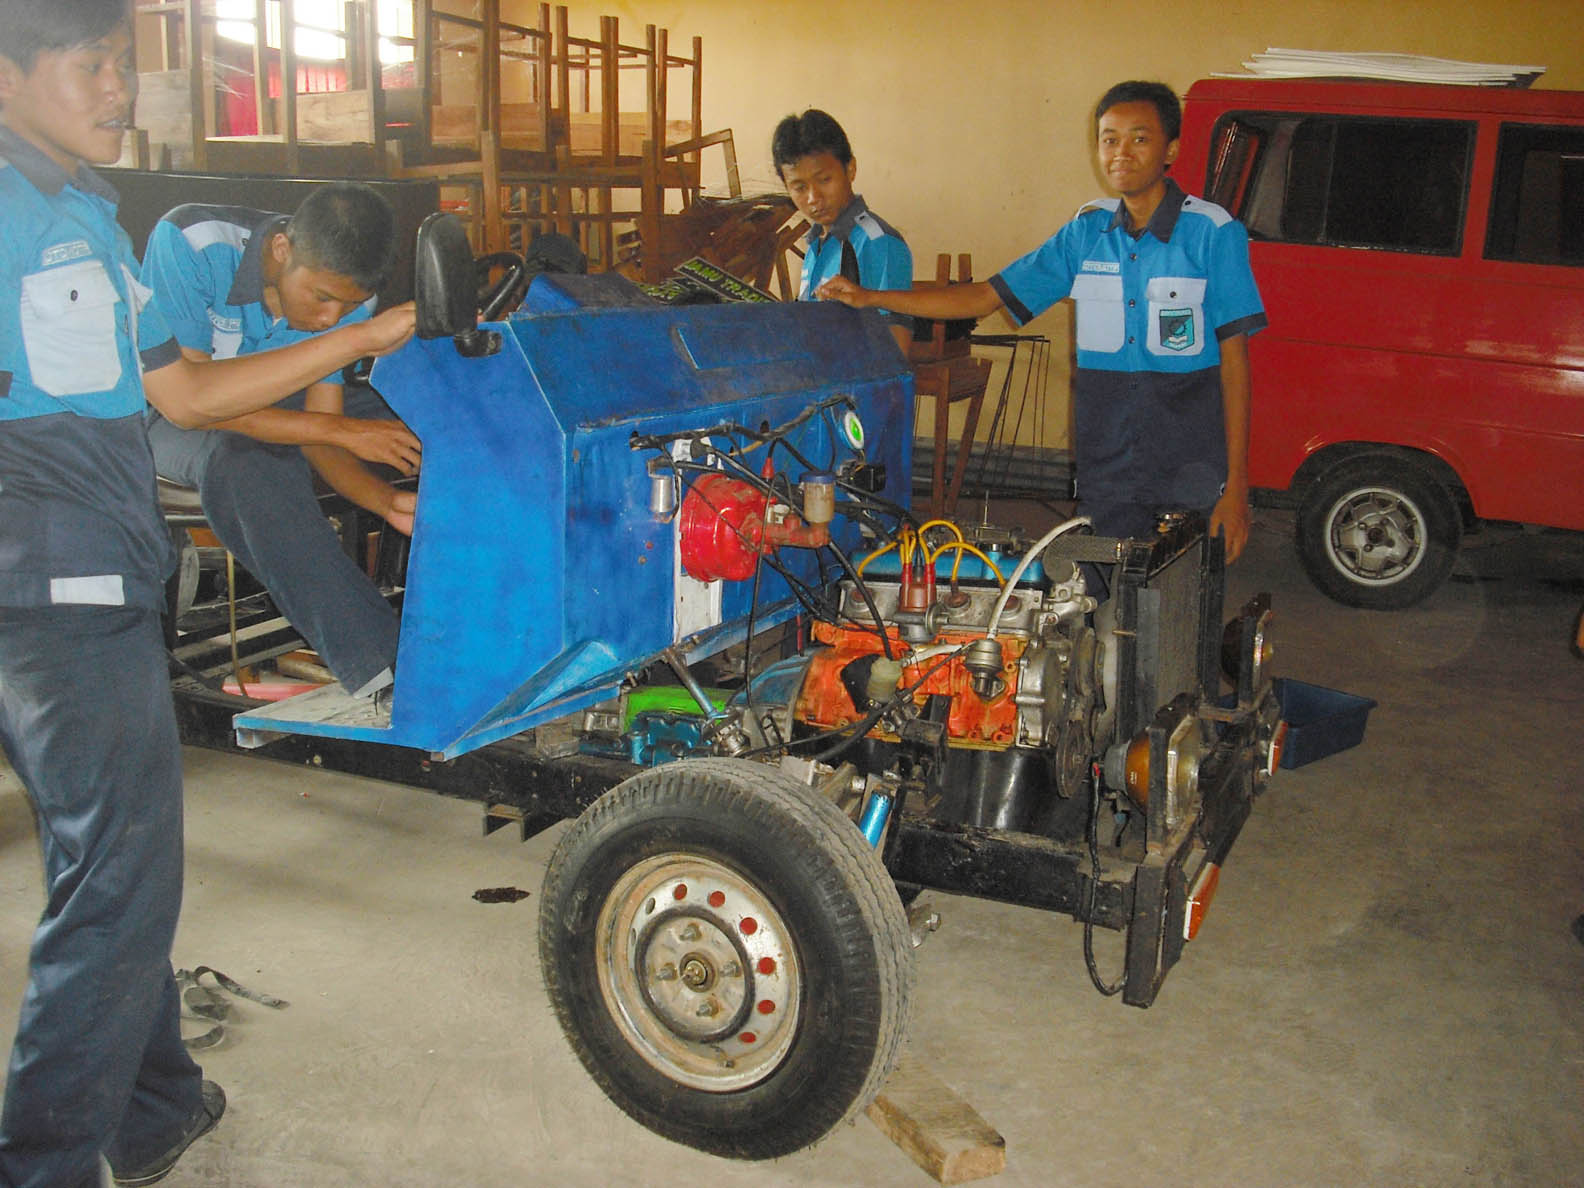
1177 329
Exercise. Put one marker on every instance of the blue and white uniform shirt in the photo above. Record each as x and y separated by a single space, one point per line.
206 265
79 518
884 260
1152 312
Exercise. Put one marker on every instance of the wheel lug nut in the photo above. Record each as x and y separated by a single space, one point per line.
731 970
666 973
690 933
707 1009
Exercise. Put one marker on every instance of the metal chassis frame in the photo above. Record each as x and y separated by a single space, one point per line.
531 782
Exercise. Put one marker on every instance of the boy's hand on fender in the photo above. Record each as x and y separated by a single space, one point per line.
388 442
839 288
402 510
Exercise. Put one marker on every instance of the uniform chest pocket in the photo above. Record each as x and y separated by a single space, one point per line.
1102 318
1176 315
69 329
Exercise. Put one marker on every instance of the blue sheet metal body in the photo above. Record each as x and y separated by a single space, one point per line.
538 576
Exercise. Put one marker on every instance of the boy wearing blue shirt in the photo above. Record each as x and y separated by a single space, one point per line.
1166 301
815 161
234 281
98 1072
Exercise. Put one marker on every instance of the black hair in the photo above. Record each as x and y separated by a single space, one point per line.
345 228
800 136
31 27
1159 94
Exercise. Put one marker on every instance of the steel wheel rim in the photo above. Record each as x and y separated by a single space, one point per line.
1375 535
699 972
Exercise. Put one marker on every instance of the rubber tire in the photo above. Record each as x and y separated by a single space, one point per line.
841 910
1422 498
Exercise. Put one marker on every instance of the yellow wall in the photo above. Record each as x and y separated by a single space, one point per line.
970 121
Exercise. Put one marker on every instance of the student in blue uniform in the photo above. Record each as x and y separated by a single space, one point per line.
98 1073
234 281
816 162
1166 302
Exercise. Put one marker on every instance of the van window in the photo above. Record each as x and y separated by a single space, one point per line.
1395 185
1537 208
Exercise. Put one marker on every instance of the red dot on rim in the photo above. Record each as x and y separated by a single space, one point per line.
766 1007
767 965
748 926
748 1037
679 891
716 898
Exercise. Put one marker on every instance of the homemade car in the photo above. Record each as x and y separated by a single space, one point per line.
664 580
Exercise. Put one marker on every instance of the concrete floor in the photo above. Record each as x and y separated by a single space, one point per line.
1386 991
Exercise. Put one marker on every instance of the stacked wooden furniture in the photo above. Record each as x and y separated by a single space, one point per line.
184 82
945 373
527 127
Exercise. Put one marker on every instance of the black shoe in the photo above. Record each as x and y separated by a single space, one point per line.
200 1124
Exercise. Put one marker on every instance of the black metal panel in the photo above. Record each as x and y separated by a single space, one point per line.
1160 888
513 772
1011 867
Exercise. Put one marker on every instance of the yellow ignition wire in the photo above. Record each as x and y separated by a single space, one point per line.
880 552
962 546
928 524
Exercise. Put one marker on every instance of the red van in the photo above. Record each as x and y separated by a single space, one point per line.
1420 250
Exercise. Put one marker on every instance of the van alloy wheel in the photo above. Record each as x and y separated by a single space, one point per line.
1378 532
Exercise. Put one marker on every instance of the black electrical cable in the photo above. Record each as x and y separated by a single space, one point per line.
855 730
873 503
801 591
733 429
753 606
768 488
868 502
1094 891
863 592
830 424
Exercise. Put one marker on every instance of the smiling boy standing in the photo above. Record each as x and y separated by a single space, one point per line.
1166 301
98 1073
816 163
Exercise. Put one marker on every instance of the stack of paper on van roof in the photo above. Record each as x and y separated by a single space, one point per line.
1290 63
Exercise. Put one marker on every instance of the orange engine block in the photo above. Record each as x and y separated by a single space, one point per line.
825 702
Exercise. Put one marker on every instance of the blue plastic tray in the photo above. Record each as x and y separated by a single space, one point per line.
1320 721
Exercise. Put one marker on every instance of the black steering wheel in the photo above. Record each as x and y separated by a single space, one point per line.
505 293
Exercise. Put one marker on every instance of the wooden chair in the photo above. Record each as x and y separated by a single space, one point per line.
945 373
331 133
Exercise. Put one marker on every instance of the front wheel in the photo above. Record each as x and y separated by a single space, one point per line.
1378 532
727 957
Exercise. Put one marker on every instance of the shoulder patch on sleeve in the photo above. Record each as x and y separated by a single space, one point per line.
1108 205
873 226
208 232
1217 215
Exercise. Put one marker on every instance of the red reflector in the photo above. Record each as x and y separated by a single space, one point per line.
1278 741
1199 897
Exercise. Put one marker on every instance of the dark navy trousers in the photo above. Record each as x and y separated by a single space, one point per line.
259 498
98 1064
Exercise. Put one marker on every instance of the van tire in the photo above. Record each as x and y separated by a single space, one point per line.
1378 532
